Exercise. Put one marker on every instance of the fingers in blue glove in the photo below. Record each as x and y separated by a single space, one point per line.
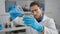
27 18
15 14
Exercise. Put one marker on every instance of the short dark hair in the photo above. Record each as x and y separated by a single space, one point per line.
36 3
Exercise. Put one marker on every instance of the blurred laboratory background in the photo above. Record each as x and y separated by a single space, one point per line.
51 8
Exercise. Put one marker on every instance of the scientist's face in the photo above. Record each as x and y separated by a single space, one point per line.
37 12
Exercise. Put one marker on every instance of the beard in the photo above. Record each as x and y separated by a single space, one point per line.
37 17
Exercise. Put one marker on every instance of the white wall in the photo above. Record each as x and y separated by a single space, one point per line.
52 9
3 16
2 6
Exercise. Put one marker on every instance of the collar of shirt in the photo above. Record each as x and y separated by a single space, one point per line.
40 19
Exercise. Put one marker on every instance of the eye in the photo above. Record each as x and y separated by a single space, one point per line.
36 10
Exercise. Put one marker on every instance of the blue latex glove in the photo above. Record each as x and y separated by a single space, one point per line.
13 15
11 7
15 11
31 21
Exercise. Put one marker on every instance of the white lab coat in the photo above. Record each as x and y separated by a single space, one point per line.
49 26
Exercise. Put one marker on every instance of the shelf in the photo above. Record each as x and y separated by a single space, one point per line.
12 29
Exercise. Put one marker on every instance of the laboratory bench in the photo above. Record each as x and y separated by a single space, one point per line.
14 30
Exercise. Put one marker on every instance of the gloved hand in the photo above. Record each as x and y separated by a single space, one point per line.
15 11
31 21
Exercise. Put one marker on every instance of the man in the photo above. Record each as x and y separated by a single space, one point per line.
39 24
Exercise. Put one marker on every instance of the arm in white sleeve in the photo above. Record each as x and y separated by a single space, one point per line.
50 28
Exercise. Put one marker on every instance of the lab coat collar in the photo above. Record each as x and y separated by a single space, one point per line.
40 19
44 18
